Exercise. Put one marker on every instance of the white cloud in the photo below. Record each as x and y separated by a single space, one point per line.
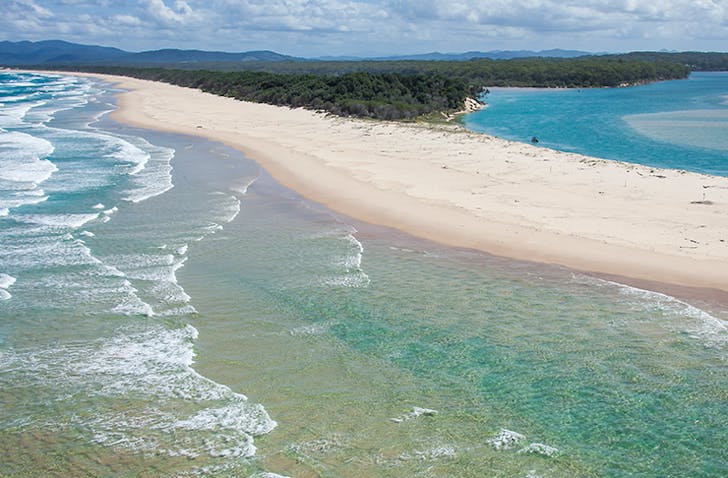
301 15
179 13
126 20
319 27
573 23
29 7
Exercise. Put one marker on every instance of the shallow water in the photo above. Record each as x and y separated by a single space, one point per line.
361 351
680 124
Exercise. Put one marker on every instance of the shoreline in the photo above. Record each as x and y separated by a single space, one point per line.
464 189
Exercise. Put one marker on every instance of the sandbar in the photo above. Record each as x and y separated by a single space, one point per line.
465 189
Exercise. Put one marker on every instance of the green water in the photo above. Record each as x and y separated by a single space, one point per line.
621 382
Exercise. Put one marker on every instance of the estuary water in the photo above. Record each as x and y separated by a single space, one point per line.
680 124
169 310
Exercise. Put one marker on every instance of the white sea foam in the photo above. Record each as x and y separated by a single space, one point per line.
13 116
311 329
150 267
126 152
46 251
155 177
98 206
21 159
186 309
353 275
159 271
64 95
6 281
14 99
227 207
21 81
711 330
213 228
130 303
17 199
98 116
65 268
180 413
318 446
184 414
148 166
22 169
353 262
415 413
254 422
162 363
540 449
505 440
120 150
170 292
243 190
36 192
434 453
73 221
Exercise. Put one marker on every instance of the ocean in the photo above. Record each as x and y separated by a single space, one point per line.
169 310
680 124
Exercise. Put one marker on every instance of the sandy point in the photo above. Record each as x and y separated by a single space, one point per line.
460 188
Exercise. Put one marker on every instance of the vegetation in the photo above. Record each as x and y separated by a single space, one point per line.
398 89
696 61
386 96
582 72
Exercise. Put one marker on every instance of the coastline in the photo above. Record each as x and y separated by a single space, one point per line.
464 189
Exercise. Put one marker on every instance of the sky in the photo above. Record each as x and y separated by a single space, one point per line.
312 28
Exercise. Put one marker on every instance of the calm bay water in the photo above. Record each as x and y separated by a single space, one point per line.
169 310
680 124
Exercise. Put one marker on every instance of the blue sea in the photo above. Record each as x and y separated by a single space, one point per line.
167 309
681 124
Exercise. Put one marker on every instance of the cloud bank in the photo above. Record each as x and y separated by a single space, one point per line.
373 27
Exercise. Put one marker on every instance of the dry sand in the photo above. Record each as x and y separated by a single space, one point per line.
466 189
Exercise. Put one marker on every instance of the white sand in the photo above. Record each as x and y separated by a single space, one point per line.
467 189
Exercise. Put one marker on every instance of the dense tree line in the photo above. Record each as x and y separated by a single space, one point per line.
581 72
399 89
696 61
387 96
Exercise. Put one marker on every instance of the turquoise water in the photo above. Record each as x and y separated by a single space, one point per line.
175 312
681 124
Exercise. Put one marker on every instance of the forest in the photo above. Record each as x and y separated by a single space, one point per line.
388 96
580 72
398 90
695 60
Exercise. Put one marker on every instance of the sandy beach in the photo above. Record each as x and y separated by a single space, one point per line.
470 190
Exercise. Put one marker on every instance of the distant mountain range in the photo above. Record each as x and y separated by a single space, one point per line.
57 52
469 55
